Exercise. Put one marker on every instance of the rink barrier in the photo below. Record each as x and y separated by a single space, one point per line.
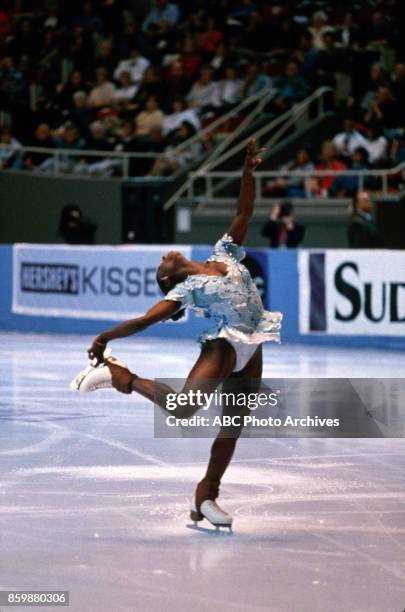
330 297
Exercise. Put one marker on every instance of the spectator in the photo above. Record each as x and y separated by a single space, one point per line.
5 26
103 92
349 33
202 93
256 33
126 91
42 138
98 137
81 52
291 87
293 187
149 119
348 185
282 229
10 150
24 42
127 139
363 232
228 92
151 85
220 56
177 85
96 166
255 80
12 84
305 55
136 65
377 32
88 20
156 143
74 228
161 15
243 11
51 19
384 108
179 115
49 60
81 115
211 37
376 143
321 186
377 77
347 141
190 60
318 28
105 55
286 37
327 62
176 157
67 138
398 83
66 91
132 39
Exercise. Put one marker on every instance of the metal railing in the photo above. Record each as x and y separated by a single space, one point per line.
59 158
215 125
206 180
262 99
280 124
283 122
259 101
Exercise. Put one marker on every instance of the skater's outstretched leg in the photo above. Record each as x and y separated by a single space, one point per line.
216 362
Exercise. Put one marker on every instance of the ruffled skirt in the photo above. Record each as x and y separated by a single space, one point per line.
267 330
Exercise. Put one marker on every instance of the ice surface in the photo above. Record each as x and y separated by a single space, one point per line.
90 502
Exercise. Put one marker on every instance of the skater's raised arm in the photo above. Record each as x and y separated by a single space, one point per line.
159 312
245 202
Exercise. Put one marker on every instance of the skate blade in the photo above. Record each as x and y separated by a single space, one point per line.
214 530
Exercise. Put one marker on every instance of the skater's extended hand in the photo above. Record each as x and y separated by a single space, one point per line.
253 153
96 351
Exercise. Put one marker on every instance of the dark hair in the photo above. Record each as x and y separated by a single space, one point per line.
66 215
189 127
165 289
286 209
363 152
307 147
376 126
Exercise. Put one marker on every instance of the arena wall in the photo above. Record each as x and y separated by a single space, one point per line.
335 297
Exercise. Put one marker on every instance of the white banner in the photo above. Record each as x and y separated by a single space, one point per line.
106 282
352 292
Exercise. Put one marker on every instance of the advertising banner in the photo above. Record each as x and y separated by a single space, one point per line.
107 282
352 292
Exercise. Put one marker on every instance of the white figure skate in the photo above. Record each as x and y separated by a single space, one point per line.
93 377
210 510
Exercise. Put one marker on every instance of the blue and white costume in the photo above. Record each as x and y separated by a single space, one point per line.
232 301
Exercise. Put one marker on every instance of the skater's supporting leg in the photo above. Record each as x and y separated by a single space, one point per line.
247 381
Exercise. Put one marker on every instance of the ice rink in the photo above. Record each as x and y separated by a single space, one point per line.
90 502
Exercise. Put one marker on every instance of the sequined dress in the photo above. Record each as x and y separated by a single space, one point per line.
232 301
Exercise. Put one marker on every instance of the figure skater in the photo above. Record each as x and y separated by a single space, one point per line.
224 291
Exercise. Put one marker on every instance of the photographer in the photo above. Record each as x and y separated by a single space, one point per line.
282 229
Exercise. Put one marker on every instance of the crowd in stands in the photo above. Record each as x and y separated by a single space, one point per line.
96 75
